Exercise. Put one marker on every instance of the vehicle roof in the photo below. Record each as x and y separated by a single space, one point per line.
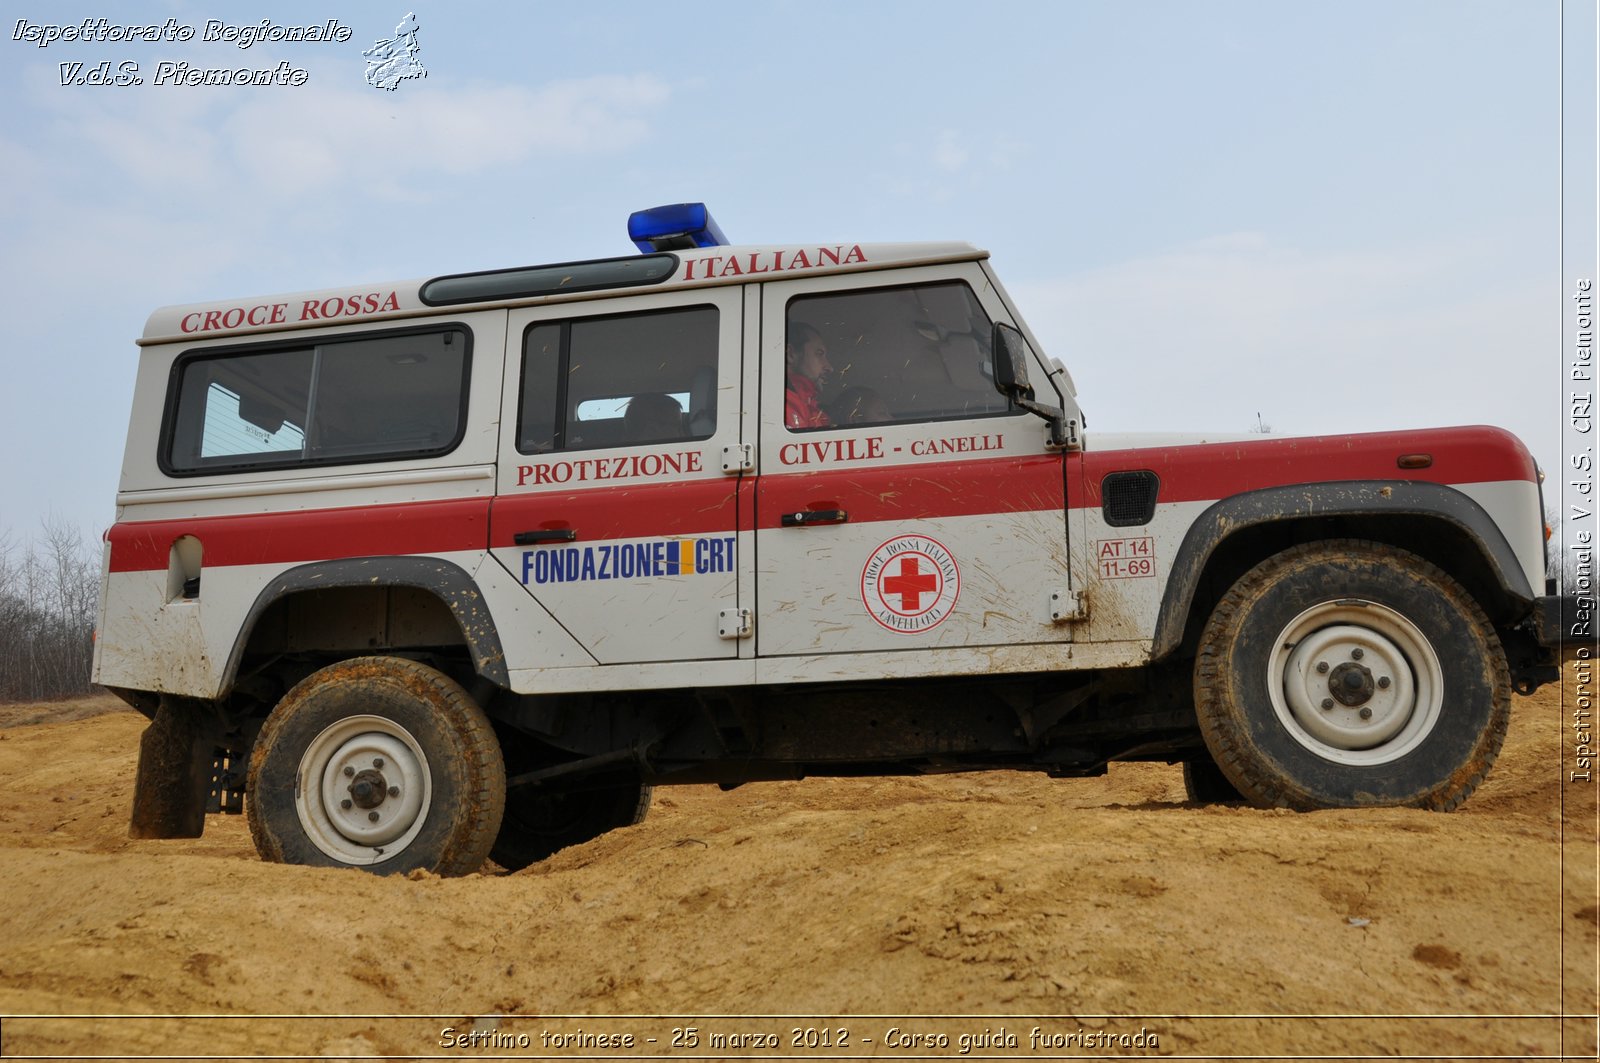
670 270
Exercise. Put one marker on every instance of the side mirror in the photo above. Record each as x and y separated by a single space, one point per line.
1011 354
1011 351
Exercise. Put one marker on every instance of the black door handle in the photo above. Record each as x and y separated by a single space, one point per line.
813 516
545 535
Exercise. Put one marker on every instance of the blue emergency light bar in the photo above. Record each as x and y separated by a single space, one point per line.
675 227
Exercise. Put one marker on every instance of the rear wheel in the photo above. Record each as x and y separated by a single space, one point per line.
381 763
1351 673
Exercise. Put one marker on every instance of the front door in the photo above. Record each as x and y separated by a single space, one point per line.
902 502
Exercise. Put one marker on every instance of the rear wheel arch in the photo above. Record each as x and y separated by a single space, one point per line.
446 585
1437 523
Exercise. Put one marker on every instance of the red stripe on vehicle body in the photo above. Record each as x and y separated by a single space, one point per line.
306 535
920 491
614 512
1189 473
868 493
1477 454
634 511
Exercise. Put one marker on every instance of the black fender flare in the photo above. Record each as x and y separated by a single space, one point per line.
1347 498
451 583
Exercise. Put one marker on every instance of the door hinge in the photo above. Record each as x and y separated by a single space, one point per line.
1067 607
738 457
734 624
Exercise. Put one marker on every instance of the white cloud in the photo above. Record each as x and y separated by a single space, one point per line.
121 200
22 172
172 187
948 154
939 167
1205 336
263 146
315 139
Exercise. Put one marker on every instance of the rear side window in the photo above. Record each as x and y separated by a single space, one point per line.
363 398
619 380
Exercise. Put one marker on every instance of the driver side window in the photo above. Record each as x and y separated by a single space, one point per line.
888 356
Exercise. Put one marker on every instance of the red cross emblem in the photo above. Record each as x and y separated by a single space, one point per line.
911 584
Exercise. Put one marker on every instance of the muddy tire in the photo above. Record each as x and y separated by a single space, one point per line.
537 825
1350 673
380 763
1204 783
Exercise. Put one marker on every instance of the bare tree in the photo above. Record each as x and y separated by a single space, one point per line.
49 590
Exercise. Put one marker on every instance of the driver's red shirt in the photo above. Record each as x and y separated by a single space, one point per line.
800 407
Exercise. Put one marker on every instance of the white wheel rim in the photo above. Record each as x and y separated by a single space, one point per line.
1355 682
363 790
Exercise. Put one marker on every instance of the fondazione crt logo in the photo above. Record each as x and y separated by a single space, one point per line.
390 60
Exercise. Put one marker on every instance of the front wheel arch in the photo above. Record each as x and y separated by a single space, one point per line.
1431 520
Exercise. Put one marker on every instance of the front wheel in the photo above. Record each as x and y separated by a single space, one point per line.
380 763
1351 673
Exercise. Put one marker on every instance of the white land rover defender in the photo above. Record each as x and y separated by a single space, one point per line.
421 573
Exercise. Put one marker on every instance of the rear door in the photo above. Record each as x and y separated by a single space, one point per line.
912 507
612 507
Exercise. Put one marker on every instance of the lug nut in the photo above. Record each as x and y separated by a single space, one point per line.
344 804
1357 653
1327 703
378 763
1383 682
1366 714
372 817
394 791
348 771
1322 667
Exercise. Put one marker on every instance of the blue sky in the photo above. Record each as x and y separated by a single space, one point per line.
1341 217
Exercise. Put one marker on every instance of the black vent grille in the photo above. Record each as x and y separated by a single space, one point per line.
1128 499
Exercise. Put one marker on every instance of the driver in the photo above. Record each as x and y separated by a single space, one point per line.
806 357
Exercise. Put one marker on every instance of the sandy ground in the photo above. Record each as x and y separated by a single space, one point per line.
841 918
